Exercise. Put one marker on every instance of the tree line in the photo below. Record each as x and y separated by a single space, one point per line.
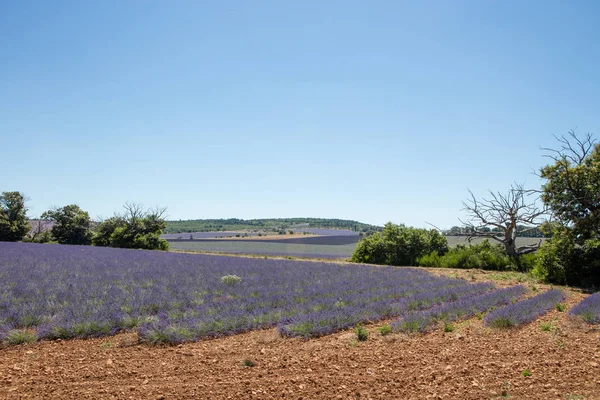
565 210
136 227
272 224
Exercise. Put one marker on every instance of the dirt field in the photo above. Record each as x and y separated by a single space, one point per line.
472 362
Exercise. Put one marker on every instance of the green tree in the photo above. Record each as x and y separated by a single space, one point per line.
72 225
572 188
136 228
572 192
13 217
399 245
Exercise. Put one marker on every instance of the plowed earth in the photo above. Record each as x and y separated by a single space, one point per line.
472 362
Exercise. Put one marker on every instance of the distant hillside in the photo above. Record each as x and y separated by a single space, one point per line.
271 224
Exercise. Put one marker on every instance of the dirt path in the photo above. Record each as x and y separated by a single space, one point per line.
472 362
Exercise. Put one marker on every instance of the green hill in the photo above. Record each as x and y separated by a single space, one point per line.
233 224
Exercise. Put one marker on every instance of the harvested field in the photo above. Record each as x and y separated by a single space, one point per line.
279 248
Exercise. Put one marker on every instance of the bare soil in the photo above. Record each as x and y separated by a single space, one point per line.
471 362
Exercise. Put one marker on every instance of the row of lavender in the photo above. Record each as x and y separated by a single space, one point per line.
71 291
588 309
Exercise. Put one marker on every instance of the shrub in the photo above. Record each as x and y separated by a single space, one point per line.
482 256
562 261
399 245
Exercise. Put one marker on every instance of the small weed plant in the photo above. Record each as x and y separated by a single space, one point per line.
385 329
526 373
361 333
20 337
248 363
560 307
546 326
231 280
448 327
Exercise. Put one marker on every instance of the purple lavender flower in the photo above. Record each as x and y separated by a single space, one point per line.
588 309
524 311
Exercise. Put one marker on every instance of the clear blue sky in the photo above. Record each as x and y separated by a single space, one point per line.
375 111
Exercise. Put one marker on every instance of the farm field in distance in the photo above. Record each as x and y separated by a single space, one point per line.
311 246
266 248
122 301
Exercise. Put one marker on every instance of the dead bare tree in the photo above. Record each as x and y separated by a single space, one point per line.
500 216
38 227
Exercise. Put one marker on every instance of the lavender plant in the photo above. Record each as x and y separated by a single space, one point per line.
588 309
471 304
524 311
58 291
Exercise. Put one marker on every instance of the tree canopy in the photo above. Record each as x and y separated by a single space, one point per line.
572 191
136 228
13 217
72 225
572 188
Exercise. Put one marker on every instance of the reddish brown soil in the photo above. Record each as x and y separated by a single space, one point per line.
472 362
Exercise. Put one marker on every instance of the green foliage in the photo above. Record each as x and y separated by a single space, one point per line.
230 280
385 329
562 261
275 224
361 333
545 326
72 225
13 217
572 187
248 363
501 322
560 307
572 255
18 336
448 327
137 228
399 245
526 373
483 255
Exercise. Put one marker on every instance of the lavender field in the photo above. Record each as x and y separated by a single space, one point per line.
588 309
54 291
524 311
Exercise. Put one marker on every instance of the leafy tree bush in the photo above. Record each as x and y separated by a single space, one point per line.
13 217
562 261
483 255
572 191
480 256
136 228
572 188
399 245
72 225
